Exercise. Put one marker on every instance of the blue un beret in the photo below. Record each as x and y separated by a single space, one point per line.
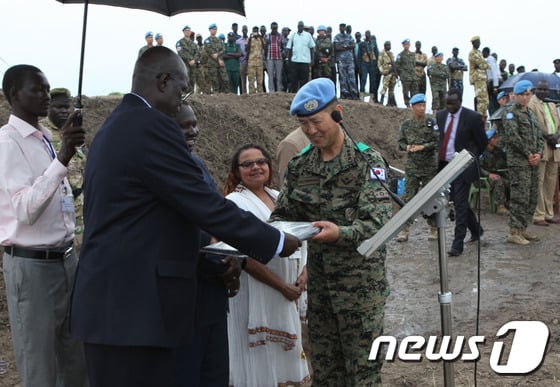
490 133
418 98
149 33
321 28
159 35
213 25
500 95
186 27
438 54
313 97
407 40
522 86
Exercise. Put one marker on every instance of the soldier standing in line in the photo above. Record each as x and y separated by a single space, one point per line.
439 75
477 78
344 49
331 180
406 70
217 75
456 69
231 59
421 63
524 148
418 136
255 49
60 109
368 54
189 52
386 65
149 43
324 53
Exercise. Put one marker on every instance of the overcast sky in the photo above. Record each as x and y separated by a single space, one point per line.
47 34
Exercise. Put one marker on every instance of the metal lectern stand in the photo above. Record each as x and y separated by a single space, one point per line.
431 201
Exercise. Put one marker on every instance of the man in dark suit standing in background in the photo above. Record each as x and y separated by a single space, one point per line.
145 204
461 128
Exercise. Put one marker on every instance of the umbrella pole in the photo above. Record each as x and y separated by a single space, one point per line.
80 76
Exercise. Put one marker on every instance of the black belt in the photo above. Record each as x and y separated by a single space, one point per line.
53 254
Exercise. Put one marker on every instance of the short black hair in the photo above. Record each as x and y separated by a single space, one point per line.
14 78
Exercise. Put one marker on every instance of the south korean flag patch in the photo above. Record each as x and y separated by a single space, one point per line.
380 172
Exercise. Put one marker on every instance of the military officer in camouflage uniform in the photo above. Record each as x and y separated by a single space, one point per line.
439 76
418 136
477 77
421 63
524 148
217 74
324 53
189 51
386 65
493 166
456 69
406 69
59 109
330 184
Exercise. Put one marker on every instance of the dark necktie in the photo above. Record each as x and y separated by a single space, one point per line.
443 149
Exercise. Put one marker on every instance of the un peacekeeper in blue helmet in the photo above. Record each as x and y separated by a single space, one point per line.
331 185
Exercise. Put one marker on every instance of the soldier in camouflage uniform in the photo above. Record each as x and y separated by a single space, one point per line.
421 62
418 136
189 51
217 74
324 53
331 184
456 69
59 109
524 148
493 166
477 77
406 69
439 75
386 65
344 48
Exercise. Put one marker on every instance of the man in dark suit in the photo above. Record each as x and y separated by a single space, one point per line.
461 128
145 205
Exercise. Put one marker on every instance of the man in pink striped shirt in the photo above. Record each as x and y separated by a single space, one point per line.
37 233
274 60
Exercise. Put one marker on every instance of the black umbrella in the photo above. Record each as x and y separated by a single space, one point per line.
164 7
535 77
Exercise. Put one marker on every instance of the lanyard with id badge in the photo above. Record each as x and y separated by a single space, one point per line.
67 199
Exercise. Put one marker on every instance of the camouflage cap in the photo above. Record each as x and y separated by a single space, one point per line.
313 97
475 38
60 92
386 43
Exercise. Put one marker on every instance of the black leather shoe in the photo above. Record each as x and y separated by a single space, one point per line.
454 253
476 238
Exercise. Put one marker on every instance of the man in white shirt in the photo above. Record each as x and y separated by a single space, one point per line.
493 79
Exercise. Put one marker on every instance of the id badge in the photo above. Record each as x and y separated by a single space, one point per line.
67 203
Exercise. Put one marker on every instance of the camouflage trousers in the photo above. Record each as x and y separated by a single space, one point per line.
389 82
347 80
524 192
344 319
501 191
481 97
422 84
438 98
256 76
323 70
217 77
197 80
409 88
416 179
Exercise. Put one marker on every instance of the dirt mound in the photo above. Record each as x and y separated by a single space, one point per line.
227 121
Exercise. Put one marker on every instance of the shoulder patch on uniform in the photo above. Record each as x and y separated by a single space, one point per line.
380 172
306 149
361 147
509 115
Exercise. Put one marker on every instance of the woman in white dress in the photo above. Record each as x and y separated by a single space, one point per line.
264 328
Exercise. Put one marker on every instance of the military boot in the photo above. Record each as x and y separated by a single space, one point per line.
382 99
529 237
516 237
502 210
433 234
403 235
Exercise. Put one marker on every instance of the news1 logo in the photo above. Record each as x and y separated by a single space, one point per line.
526 353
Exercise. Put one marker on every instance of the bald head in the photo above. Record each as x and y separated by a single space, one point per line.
160 77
